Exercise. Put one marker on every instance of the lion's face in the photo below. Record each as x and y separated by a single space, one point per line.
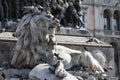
48 24
53 24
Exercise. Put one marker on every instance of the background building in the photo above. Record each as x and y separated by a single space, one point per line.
102 18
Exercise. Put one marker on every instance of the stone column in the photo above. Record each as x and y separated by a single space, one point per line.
112 24
9 2
17 9
2 12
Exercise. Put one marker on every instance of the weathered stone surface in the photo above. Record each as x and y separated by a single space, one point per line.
16 73
5 51
42 72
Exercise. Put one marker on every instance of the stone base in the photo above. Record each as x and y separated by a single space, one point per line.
14 74
42 72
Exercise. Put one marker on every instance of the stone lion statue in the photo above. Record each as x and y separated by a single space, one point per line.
36 42
35 32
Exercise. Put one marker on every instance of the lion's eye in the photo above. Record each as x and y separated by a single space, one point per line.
48 16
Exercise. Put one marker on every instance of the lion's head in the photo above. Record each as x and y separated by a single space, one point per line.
47 25
40 25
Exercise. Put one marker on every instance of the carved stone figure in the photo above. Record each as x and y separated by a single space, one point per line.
68 12
30 41
72 15
37 42
35 35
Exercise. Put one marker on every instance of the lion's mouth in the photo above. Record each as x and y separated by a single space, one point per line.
52 35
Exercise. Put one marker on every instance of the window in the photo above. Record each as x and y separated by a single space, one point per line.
107 20
116 21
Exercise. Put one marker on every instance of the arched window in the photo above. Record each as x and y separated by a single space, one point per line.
116 21
107 20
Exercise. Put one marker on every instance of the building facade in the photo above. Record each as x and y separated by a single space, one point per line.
103 20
